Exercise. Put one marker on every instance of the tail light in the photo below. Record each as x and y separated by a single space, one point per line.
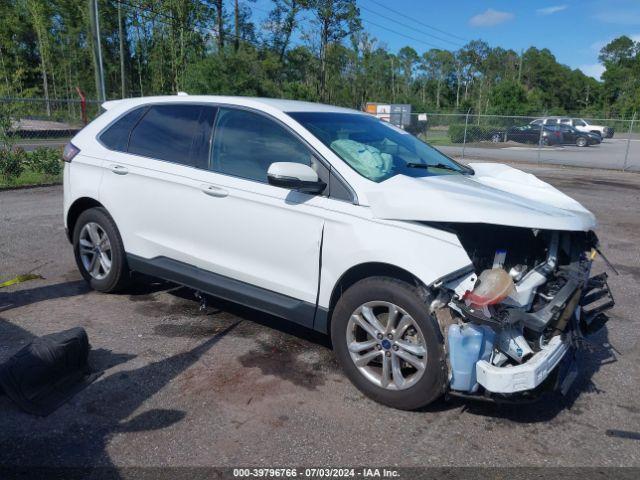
70 151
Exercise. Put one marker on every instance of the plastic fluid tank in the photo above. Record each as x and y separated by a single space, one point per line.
468 343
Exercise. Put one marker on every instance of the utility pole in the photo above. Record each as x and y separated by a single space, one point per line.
236 42
626 155
123 92
97 56
464 138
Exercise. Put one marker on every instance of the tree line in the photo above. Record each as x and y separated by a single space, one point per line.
316 50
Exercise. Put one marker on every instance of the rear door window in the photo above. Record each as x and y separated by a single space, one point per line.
116 137
178 133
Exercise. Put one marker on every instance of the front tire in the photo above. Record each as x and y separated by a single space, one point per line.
581 142
388 344
99 251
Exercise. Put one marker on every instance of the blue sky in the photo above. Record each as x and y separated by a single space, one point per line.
574 30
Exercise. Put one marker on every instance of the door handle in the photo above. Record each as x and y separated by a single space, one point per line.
213 191
119 169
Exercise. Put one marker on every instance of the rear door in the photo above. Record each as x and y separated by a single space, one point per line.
154 179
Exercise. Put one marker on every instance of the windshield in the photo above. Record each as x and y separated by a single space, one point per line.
375 149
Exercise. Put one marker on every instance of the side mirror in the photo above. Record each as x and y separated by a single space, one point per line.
295 176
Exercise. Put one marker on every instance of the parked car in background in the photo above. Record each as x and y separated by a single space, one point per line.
578 123
572 136
429 275
531 134
584 126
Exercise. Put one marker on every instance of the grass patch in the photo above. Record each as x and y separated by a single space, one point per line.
30 178
37 140
436 138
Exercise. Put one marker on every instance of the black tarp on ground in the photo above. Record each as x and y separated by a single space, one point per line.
48 371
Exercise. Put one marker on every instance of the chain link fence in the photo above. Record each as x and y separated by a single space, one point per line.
584 142
33 133
25 120
29 124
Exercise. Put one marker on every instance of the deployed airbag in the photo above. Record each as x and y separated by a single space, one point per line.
365 159
47 372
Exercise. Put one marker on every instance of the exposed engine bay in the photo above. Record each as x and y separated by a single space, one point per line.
522 311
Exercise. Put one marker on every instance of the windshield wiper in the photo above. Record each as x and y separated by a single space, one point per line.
463 169
426 166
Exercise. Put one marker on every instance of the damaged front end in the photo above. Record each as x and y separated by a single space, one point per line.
516 321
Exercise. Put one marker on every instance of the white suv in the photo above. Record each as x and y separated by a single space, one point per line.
578 123
429 275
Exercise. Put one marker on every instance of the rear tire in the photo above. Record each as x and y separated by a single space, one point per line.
99 251
405 386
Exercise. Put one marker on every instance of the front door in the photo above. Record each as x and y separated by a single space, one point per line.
259 234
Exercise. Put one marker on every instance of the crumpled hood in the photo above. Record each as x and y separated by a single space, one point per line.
497 194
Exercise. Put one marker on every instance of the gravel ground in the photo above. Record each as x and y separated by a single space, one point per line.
230 386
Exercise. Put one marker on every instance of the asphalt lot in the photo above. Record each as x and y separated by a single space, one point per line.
230 386
610 154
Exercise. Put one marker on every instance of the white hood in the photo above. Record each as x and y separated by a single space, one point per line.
497 194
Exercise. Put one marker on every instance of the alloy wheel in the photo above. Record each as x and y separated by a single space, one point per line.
95 250
386 345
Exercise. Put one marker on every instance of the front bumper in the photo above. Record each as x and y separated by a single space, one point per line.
527 376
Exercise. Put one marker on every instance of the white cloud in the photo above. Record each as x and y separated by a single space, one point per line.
551 10
490 18
619 17
594 70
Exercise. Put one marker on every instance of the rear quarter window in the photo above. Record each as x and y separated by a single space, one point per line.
116 137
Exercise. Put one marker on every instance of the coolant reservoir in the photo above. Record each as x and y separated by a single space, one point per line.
492 287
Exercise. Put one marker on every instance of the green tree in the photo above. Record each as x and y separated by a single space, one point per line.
439 65
621 87
282 22
509 98
336 20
